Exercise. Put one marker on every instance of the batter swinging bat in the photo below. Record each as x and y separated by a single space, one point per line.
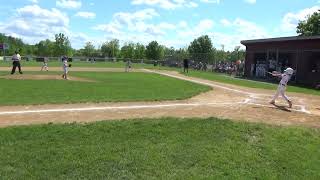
273 72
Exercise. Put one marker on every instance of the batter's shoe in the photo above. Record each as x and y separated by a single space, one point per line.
273 102
290 104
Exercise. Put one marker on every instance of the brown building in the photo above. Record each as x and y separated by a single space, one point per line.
275 54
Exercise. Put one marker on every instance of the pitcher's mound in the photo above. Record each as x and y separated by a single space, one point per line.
45 77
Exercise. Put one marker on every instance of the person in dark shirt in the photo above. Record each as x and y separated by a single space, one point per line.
16 58
185 65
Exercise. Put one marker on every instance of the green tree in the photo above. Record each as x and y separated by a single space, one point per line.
139 51
62 45
89 49
14 44
181 54
29 49
311 26
45 48
170 51
153 51
111 48
201 48
127 51
163 50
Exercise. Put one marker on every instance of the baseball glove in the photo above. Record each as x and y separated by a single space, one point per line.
70 65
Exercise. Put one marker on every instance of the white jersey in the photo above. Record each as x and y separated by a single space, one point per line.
284 79
16 57
65 64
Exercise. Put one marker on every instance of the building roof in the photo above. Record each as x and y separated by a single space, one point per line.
280 39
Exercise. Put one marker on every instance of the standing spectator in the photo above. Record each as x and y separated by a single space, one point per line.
186 65
16 62
205 67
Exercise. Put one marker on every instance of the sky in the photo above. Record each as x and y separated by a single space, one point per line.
174 23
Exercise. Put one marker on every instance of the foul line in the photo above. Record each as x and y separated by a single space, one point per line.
119 107
251 95
200 82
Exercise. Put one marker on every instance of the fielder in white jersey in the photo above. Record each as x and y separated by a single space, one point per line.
45 64
65 67
128 66
285 77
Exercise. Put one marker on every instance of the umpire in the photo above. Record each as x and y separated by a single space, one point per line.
16 62
185 65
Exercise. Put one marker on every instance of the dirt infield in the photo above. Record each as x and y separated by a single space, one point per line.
224 101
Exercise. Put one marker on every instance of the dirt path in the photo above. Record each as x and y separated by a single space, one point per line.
225 101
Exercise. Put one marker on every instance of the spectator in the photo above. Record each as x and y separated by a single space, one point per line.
186 65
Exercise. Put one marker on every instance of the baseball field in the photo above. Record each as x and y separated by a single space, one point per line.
152 123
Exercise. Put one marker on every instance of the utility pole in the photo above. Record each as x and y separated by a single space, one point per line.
222 47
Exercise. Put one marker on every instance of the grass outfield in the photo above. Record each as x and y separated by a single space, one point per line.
163 149
200 74
110 87
223 78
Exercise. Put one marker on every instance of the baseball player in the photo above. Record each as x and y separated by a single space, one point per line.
16 62
285 77
186 65
128 66
45 64
65 67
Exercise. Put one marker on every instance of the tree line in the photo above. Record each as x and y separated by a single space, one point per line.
200 49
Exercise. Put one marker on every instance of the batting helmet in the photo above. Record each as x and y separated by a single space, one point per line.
289 71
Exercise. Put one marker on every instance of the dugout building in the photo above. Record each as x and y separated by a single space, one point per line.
275 54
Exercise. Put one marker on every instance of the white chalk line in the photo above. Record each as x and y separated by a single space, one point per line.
156 106
121 107
251 95
199 82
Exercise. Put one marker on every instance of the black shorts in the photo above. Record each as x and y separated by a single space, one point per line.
16 63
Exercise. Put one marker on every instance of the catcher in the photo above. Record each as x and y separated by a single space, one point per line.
285 77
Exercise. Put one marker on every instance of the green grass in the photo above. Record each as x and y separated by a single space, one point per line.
160 149
223 78
200 74
110 87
